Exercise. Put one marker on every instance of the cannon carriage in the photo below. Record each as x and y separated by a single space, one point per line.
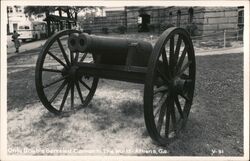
71 63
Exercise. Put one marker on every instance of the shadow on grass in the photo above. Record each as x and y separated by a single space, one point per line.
215 122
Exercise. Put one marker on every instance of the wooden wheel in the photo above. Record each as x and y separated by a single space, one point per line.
169 86
57 76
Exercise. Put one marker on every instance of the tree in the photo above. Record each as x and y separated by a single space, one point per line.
72 12
34 10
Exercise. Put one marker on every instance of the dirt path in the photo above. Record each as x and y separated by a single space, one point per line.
113 123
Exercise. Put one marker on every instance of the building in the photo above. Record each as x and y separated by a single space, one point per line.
198 20
57 19
16 16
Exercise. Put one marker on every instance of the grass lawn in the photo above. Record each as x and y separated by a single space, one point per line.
114 118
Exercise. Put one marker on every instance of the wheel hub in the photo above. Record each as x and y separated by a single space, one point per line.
177 85
71 72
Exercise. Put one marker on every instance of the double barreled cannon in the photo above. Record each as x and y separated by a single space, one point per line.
71 63
113 51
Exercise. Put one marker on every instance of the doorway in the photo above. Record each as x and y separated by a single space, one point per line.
143 22
14 27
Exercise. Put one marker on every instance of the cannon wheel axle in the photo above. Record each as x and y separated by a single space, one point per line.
169 86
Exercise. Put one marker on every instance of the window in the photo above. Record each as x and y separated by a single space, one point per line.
170 17
241 17
240 20
190 15
178 18
18 8
9 9
24 27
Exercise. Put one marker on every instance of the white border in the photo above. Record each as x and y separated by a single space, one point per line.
3 98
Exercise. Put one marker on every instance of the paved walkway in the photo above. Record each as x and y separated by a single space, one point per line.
24 47
36 44
230 50
201 53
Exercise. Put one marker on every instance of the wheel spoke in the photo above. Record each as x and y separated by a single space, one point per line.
187 85
71 56
171 55
184 96
84 84
83 57
165 62
161 89
72 95
77 56
52 70
65 97
173 117
167 118
177 49
161 117
79 91
178 105
184 76
162 114
63 51
184 68
58 91
57 59
180 62
163 76
56 81
160 104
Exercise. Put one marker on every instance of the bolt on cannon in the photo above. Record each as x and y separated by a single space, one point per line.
73 62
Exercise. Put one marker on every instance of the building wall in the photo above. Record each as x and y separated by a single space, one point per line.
218 19
207 20
16 16
111 21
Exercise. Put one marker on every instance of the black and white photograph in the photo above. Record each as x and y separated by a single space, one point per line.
132 79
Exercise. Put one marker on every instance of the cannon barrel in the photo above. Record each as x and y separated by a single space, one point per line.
113 50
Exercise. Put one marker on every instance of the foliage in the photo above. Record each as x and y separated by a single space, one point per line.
192 29
72 10
105 30
38 9
153 26
88 31
164 26
121 29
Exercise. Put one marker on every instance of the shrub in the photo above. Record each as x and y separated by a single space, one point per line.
164 26
192 29
121 29
153 27
88 31
105 30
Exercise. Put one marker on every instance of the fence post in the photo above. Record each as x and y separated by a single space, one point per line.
237 32
225 38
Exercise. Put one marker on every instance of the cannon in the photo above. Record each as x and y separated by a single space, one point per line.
71 63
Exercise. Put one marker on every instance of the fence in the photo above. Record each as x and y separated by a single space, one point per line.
221 38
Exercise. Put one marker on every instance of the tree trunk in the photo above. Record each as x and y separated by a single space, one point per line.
126 18
75 17
60 14
68 15
48 24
